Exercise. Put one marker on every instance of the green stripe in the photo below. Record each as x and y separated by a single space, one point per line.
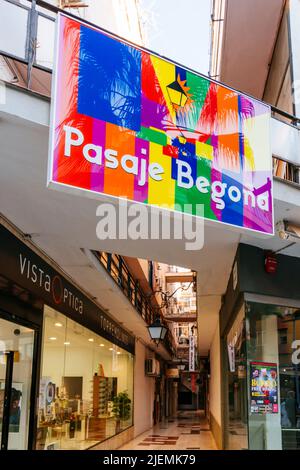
153 136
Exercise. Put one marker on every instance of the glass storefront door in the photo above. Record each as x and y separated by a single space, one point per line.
16 353
289 370
237 437
273 354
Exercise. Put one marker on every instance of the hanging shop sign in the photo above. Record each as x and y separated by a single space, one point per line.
192 353
128 124
263 388
172 373
231 356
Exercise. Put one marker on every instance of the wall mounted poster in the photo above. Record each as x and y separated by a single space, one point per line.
129 124
263 388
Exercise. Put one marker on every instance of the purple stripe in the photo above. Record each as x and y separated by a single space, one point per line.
153 114
216 175
141 192
254 217
97 171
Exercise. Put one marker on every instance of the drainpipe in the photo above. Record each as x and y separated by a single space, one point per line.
31 40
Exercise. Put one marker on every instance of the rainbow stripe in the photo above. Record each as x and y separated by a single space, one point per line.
119 98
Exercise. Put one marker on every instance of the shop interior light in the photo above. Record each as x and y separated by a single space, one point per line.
118 352
58 324
111 349
67 343
52 338
102 345
91 340
157 331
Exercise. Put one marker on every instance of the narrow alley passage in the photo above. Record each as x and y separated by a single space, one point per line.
190 431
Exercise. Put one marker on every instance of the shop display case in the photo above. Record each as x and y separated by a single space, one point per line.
104 389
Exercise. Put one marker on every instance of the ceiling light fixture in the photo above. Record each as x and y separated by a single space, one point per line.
52 338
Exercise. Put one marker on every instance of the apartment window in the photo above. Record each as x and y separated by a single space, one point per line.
285 170
278 90
283 336
45 40
13 29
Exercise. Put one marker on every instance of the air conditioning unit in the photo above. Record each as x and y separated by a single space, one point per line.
288 231
152 367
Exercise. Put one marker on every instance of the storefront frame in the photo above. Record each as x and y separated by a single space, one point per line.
243 299
20 264
250 282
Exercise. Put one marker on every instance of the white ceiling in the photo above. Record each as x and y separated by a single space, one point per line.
245 60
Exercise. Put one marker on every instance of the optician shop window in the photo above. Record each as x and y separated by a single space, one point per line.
86 386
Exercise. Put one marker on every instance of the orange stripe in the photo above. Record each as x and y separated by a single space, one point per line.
228 129
116 181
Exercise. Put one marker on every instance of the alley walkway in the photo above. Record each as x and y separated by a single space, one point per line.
189 431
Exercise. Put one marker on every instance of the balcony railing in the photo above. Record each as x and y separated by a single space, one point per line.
27 33
185 310
286 150
119 272
177 269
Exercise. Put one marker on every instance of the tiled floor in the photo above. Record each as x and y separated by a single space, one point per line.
238 436
189 431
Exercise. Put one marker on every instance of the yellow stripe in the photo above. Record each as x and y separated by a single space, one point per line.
161 192
165 73
257 143
157 130
204 150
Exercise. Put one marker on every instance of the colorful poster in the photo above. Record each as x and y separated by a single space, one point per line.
263 388
128 124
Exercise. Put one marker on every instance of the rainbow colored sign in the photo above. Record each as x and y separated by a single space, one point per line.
129 124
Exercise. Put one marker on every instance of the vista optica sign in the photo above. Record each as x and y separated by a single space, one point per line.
129 124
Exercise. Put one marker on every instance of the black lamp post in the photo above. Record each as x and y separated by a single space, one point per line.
157 331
